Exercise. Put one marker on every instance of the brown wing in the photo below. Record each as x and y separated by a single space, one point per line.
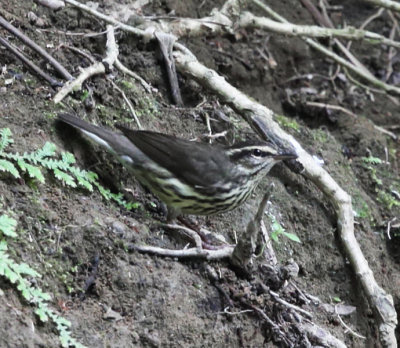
195 163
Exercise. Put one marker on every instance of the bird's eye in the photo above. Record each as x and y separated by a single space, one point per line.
258 153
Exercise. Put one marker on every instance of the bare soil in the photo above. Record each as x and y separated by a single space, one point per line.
147 301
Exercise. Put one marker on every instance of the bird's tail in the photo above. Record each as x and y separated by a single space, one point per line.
104 137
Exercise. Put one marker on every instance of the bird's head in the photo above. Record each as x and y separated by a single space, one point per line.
257 157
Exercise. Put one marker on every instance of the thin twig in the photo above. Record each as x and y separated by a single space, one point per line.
245 247
360 72
95 69
347 327
127 101
332 107
166 42
289 305
187 253
26 40
126 71
77 50
30 64
385 131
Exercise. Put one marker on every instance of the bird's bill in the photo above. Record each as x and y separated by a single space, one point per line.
285 156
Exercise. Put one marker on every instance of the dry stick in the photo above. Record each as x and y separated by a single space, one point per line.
319 335
371 79
126 71
274 327
120 25
76 85
69 33
391 5
186 253
197 252
108 19
111 49
392 51
131 109
347 327
245 248
366 23
268 250
348 112
260 118
248 19
325 21
77 50
166 42
385 131
30 64
13 30
332 107
94 69
52 4
289 305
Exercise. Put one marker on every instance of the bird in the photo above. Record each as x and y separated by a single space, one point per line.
190 177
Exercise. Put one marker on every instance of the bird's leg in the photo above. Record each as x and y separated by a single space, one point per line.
172 214
191 228
208 239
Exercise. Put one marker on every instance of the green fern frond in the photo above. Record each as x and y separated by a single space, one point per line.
64 177
82 181
7 226
17 273
68 158
371 160
7 166
33 171
63 167
48 150
5 138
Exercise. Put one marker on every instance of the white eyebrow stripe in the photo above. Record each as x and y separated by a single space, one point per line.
255 147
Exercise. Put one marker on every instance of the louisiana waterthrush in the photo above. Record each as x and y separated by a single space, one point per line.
189 177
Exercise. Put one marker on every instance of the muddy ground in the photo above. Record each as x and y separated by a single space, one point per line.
141 300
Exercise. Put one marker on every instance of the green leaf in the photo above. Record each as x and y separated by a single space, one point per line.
68 158
24 268
8 226
5 138
292 237
62 321
33 171
64 177
274 237
277 230
84 183
7 166
42 313
48 150
85 95
371 160
3 247
10 274
24 289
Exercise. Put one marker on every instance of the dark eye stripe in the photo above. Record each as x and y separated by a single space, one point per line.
260 153
245 153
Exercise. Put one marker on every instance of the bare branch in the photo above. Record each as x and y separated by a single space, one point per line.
26 40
